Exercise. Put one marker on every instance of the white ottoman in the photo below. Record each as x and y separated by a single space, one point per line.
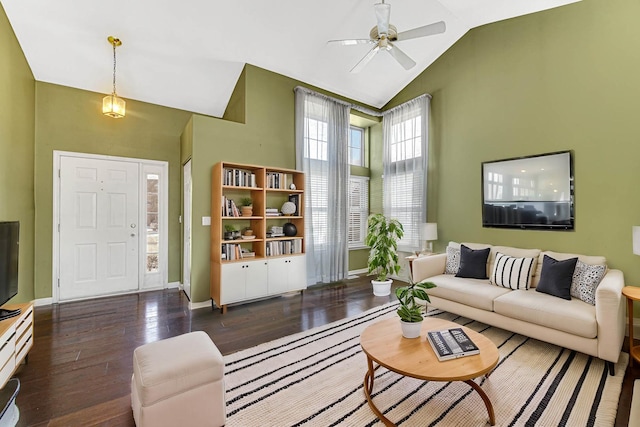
178 381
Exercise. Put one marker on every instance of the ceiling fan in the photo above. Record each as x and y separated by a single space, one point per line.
382 35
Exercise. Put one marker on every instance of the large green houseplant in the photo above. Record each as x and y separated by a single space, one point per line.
382 238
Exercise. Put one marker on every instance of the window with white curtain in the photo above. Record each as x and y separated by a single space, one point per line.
318 197
358 210
356 146
322 133
405 134
316 139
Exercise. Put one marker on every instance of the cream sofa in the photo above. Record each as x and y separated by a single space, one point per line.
595 330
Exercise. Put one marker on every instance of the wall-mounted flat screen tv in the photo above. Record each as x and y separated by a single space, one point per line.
535 192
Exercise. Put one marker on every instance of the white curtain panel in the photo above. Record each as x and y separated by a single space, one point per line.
406 143
322 132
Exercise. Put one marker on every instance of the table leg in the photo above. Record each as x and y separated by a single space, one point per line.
485 398
369 376
368 388
630 314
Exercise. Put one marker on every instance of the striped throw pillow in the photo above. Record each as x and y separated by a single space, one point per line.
512 273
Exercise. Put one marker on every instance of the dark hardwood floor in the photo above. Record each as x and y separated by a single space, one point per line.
79 370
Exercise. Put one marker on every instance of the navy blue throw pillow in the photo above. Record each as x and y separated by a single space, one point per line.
556 277
473 263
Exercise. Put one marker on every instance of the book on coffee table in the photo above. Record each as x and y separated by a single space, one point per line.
451 344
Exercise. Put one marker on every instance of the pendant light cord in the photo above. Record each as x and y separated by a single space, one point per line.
114 67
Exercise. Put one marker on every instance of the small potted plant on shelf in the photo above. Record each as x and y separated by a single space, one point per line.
382 238
230 232
410 311
246 206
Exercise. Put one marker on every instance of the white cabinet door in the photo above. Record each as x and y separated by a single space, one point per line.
256 279
233 283
243 280
287 274
297 273
278 276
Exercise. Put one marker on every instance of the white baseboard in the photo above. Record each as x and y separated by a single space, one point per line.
357 272
197 305
174 285
43 301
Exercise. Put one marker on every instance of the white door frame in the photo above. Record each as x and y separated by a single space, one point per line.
163 219
186 229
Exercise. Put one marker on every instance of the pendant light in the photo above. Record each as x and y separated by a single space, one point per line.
113 106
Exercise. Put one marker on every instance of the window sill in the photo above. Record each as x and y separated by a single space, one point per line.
358 247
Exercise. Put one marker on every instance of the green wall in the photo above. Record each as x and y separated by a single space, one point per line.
71 120
556 80
267 138
17 118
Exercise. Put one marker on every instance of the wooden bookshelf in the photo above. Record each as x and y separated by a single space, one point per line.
246 269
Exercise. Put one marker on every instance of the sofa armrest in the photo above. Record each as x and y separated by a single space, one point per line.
610 315
428 266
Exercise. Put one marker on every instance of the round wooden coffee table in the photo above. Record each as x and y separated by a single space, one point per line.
384 344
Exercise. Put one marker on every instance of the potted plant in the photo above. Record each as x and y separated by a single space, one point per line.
410 312
246 206
231 233
382 238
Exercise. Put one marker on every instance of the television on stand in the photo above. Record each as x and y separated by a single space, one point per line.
9 250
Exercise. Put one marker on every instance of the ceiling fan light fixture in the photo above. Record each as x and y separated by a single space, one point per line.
112 105
384 34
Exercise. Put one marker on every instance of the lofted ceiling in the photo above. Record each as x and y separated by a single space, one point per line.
189 54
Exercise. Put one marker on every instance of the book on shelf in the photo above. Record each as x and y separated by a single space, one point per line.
238 177
276 180
284 247
246 253
295 199
451 343
233 251
229 208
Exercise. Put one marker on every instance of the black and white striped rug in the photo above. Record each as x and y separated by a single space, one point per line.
315 378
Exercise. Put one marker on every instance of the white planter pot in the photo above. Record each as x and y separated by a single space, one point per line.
410 329
381 289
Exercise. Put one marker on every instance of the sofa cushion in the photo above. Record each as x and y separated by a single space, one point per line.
571 316
453 260
556 277
510 272
516 253
587 259
586 279
471 245
473 263
472 292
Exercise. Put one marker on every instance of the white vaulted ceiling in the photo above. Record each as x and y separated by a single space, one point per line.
189 54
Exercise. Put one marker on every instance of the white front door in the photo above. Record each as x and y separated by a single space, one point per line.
98 244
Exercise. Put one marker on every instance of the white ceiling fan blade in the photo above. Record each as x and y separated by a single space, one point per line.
364 61
383 13
349 42
427 30
400 56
